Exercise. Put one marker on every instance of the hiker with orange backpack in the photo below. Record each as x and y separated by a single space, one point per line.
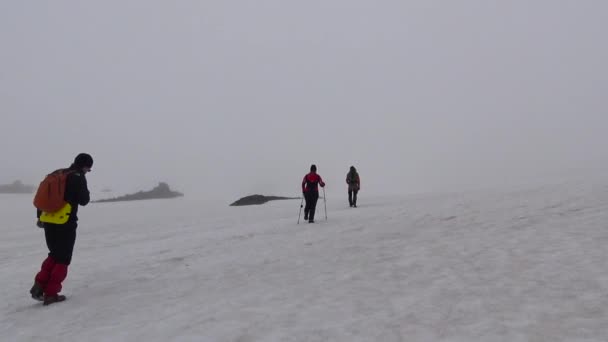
57 201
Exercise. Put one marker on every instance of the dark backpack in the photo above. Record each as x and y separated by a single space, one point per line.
353 177
311 184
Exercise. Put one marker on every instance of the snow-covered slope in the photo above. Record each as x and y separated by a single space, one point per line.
520 265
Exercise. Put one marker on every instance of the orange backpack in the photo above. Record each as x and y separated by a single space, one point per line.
50 194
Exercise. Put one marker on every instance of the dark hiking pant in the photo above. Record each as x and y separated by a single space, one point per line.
352 197
60 239
311 198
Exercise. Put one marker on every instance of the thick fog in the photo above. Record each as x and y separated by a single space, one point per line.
228 98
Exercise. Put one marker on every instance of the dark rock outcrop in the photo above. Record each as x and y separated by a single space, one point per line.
16 188
258 199
161 191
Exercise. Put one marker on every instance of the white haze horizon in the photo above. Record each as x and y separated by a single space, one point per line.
226 99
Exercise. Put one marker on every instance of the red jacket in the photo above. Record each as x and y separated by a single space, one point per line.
311 182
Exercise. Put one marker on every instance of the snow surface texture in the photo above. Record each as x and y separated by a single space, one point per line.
520 265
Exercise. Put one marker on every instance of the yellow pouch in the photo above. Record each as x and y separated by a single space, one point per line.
61 216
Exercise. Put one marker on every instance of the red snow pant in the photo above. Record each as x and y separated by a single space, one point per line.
60 240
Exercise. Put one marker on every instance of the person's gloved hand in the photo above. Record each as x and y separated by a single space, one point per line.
39 224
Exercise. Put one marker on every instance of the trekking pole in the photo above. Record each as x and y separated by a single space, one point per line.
300 213
325 202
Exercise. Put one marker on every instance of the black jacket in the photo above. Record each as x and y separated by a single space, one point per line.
76 191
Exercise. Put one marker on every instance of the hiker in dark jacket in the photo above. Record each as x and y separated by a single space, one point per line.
310 190
60 238
354 184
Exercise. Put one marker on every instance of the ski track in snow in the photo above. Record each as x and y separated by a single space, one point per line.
519 265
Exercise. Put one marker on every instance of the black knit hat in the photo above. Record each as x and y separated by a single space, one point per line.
313 168
83 160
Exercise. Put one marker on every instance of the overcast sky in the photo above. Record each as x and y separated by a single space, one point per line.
229 98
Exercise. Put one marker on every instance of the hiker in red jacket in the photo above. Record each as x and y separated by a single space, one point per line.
310 190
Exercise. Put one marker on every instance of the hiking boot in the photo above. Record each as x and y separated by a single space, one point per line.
53 299
305 217
311 221
37 292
